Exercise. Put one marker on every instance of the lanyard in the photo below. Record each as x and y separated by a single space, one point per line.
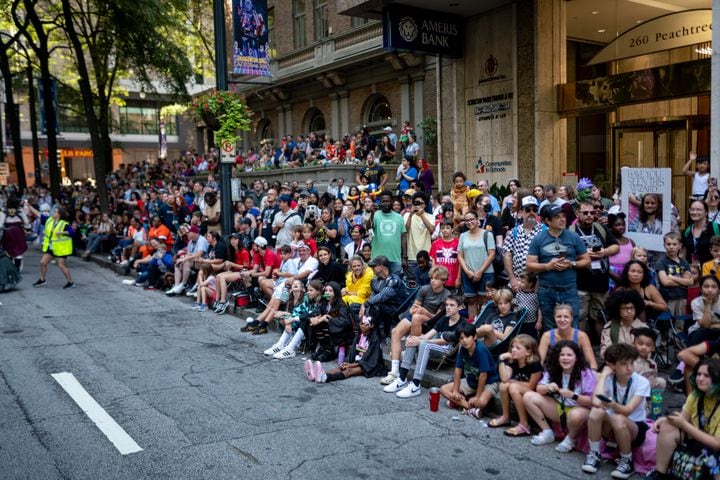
627 391
701 412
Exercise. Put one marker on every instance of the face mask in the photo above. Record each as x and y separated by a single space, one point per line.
327 296
487 207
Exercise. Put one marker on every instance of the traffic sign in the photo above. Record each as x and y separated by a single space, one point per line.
227 150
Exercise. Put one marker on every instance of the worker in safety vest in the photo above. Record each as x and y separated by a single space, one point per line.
57 244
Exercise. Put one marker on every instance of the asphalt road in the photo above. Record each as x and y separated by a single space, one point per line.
202 402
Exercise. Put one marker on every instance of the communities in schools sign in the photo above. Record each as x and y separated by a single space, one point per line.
680 29
646 200
423 31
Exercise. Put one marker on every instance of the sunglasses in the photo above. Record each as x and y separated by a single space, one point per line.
530 209
418 204
586 212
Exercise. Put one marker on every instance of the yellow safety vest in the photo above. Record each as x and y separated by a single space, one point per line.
61 245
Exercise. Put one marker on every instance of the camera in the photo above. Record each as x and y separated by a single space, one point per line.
596 248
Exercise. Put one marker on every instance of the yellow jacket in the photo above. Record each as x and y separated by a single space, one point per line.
358 291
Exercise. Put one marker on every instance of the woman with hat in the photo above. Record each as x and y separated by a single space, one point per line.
57 244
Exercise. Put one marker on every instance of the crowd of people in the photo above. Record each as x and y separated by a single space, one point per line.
540 299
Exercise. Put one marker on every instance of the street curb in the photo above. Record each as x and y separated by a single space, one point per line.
431 378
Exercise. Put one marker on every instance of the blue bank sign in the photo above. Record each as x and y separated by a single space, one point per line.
423 31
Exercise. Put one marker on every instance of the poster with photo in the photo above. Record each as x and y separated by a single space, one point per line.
648 215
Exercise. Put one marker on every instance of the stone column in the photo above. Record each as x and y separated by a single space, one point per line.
550 71
404 99
280 128
334 116
344 113
418 87
288 120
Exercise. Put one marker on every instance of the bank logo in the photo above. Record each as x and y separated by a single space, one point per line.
491 66
408 29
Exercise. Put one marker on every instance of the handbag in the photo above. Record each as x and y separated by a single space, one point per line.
691 460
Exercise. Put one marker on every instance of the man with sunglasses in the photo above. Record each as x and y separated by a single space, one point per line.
593 282
517 241
555 254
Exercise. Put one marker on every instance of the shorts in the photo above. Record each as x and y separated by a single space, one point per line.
50 252
281 293
643 427
473 289
467 390
677 307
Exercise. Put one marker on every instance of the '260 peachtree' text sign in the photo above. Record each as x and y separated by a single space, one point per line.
423 31
674 30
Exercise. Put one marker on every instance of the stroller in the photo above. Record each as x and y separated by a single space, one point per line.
9 275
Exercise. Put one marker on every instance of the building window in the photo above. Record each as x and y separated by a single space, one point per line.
358 21
144 119
378 111
320 18
315 121
271 32
299 39
264 131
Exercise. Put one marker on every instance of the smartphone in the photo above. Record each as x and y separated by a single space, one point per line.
596 248
603 398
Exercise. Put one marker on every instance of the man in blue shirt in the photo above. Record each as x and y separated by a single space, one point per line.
555 254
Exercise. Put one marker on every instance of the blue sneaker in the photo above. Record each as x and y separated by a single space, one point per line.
202 308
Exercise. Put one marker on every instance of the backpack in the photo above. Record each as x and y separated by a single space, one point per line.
716 230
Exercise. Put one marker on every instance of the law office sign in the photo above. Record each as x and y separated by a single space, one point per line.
674 30
423 31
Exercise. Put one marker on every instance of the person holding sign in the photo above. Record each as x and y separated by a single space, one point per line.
650 218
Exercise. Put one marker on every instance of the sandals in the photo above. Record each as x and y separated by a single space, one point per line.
499 422
518 430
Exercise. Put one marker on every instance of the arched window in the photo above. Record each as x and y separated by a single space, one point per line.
314 121
377 114
378 111
264 130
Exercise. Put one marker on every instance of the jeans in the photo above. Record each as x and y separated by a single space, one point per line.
548 297
95 240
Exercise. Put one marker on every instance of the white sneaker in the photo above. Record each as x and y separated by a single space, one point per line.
411 390
286 352
273 349
566 446
543 438
249 319
388 379
395 386
128 282
124 263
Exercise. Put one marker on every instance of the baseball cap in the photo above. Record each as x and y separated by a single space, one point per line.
529 201
302 245
260 242
381 261
409 192
387 129
473 193
194 229
550 211
246 221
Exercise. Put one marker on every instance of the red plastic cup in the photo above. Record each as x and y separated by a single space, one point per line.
434 399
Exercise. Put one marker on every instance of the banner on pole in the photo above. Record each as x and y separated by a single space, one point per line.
251 47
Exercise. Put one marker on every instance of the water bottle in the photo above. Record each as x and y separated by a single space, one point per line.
656 403
341 355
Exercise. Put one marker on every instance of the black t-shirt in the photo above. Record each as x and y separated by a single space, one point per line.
443 326
596 277
523 374
219 251
374 173
266 218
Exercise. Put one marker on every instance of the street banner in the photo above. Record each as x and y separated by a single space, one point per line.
251 48
163 142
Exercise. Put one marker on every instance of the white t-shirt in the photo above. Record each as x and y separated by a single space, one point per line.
700 184
290 219
639 387
698 309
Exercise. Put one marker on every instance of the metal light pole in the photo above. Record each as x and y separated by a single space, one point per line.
221 82
715 96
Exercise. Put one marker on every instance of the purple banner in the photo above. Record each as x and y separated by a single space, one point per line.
251 48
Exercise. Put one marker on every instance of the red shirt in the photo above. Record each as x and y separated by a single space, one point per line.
242 257
445 254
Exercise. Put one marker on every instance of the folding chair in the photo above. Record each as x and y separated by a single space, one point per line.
448 357
502 346
670 337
